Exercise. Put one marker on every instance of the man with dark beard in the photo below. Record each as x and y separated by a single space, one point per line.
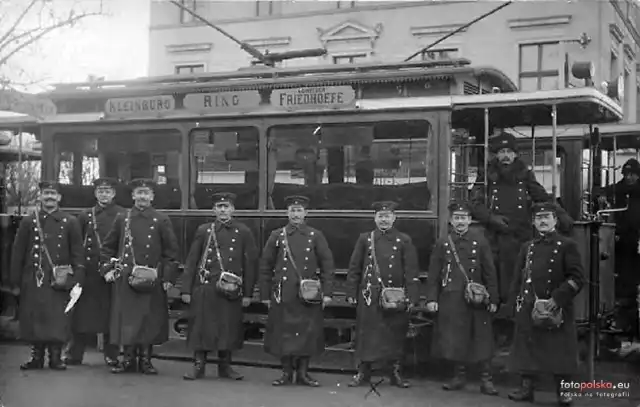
91 315
144 249
623 193
46 263
512 189
220 274
382 258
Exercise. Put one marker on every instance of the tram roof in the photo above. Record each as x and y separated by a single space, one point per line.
574 106
265 77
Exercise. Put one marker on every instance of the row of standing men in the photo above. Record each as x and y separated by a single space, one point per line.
379 335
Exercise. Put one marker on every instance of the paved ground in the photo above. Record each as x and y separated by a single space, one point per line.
91 385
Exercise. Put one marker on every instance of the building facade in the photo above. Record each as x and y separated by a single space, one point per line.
528 42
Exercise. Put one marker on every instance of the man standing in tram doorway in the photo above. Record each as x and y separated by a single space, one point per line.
47 262
220 274
462 288
296 283
91 315
550 275
623 193
384 261
140 255
512 188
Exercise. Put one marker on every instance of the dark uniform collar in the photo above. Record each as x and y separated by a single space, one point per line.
220 225
389 233
291 228
459 236
99 208
547 237
147 212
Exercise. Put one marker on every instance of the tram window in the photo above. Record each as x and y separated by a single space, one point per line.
224 159
543 168
80 158
348 166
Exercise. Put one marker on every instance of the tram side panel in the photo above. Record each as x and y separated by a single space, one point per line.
582 235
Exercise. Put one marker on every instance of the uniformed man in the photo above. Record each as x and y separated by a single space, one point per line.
463 331
626 194
512 188
91 315
549 268
382 258
293 255
145 246
222 252
47 262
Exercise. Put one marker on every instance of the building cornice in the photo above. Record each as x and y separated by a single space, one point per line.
535 22
359 8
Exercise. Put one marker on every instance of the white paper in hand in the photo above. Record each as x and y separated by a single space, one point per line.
74 296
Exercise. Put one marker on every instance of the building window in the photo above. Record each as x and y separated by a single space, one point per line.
345 4
264 8
190 68
349 59
614 66
540 66
439 54
186 17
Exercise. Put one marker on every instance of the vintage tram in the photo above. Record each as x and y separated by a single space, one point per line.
345 136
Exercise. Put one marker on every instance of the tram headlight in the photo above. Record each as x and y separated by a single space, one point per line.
615 88
583 70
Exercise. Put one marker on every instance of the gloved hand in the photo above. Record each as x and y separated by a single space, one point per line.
500 222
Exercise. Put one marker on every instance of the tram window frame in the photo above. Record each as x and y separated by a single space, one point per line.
428 180
200 198
163 164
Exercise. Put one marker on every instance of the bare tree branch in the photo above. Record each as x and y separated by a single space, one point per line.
16 23
68 22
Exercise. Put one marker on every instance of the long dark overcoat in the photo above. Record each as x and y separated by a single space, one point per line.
511 191
215 320
42 317
294 327
554 261
141 318
381 334
91 314
463 332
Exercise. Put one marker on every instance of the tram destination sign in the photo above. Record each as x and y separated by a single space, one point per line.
222 102
332 97
140 106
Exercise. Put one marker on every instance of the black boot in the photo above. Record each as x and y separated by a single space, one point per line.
199 363
36 361
224 366
363 376
145 361
459 378
110 351
564 398
486 386
396 377
55 357
129 363
287 372
303 377
525 392
75 350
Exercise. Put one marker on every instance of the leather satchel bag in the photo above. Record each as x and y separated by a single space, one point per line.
142 279
542 317
475 294
391 298
310 290
61 276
